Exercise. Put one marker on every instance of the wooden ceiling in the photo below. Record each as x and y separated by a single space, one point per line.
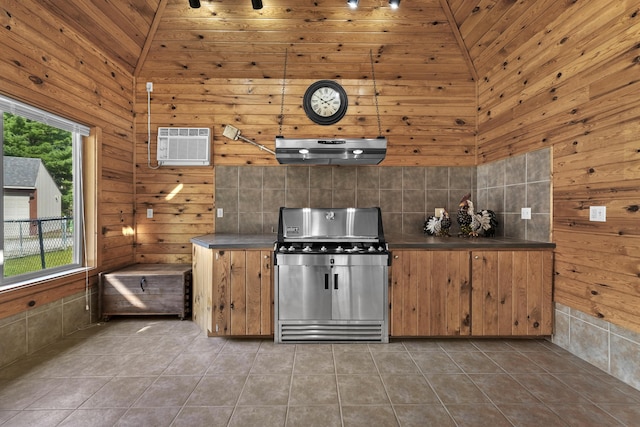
229 39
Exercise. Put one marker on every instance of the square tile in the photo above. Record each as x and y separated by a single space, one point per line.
265 390
313 390
217 390
244 416
361 390
455 389
314 416
408 389
210 416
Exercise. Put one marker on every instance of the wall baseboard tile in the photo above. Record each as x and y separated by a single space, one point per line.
612 349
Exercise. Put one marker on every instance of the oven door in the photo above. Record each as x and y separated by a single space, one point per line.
358 292
337 298
304 292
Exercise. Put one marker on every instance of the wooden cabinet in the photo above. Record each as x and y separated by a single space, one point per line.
233 291
511 293
430 293
202 287
146 289
478 293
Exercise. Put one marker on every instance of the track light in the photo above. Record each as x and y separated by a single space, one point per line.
194 3
257 4
394 4
352 3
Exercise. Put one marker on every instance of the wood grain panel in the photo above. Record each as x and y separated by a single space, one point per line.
430 293
221 294
203 261
49 64
512 293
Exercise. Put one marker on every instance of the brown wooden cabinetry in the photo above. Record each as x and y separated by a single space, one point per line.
511 293
233 293
430 293
477 293
202 287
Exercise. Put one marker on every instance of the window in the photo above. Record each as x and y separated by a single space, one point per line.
42 203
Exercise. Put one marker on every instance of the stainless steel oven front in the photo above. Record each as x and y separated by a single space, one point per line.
322 297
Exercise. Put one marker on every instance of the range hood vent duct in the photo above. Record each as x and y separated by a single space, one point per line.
331 151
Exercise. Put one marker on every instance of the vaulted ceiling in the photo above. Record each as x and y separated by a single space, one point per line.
229 39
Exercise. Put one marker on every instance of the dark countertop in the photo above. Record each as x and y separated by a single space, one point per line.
404 241
236 241
411 241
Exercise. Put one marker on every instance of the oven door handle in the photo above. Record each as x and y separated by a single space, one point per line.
335 281
326 280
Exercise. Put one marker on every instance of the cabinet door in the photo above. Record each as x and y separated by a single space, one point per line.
511 293
202 287
358 292
430 293
242 293
305 292
221 293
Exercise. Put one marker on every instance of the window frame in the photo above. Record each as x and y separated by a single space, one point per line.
79 133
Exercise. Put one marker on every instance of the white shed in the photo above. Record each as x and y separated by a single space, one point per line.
29 193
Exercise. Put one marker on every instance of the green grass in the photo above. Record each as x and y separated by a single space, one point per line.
28 264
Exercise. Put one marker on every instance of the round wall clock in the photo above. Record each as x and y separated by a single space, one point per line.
325 102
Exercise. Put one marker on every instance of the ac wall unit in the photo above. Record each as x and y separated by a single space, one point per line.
184 146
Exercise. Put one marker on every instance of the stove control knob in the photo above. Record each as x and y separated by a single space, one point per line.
339 249
307 249
282 249
380 249
323 249
291 248
372 248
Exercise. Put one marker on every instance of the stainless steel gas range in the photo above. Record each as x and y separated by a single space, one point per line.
331 276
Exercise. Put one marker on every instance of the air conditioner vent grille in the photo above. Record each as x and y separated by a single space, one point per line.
184 146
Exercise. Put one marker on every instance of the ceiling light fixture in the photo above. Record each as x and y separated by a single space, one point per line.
194 3
352 3
394 4
257 4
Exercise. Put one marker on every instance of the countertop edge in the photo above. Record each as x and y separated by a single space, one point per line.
267 241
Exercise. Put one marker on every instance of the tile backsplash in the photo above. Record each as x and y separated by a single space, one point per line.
508 185
251 196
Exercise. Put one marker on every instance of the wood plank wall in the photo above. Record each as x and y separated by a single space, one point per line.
428 123
46 64
572 83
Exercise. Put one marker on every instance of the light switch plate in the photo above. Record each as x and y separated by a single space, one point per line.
219 213
525 213
438 212
149 213
598 213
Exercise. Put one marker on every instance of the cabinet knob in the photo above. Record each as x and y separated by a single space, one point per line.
477 257
266 256
395 257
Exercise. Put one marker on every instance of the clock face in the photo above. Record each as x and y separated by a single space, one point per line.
325 102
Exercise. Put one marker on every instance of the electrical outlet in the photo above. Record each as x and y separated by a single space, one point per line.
439 212
149 213
219 213
149 87
598 213
525 213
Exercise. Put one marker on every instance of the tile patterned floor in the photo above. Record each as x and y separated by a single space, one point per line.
164 372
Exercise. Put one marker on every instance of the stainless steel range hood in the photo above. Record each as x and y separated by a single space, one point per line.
331 151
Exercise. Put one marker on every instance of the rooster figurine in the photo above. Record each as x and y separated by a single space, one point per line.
472 223
438 226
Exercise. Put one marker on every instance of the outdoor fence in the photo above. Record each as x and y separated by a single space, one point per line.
31 245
